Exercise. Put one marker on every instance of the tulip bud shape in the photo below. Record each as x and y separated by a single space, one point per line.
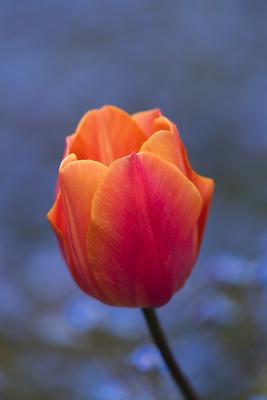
129 212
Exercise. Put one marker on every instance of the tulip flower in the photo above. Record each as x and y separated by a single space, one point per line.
130 212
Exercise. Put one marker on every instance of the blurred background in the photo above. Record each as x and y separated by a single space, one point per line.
205 65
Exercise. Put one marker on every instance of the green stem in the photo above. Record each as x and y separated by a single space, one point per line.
162 344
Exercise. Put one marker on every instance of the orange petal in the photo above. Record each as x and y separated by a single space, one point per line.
163 123
206 189
166 145
56 214
203 184
106 134
56 218
145 120
142 235
171 147
79 181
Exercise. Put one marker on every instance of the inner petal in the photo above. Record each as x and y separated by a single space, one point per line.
105 135
145 119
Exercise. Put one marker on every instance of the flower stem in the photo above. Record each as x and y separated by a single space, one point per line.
162 344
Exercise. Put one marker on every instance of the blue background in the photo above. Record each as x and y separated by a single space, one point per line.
205 65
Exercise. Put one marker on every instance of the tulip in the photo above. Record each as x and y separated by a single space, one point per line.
130 212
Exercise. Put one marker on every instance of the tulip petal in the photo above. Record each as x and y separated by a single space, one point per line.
56 218
145 119
170 146
105 135
163 123
79 181
142 234
206 189
56 213
166 145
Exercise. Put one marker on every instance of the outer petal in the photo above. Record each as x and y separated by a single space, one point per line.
203 184
141 239
105 135
57 220
56 213
145 119
166 145
55 217
170 147
206 189
79 181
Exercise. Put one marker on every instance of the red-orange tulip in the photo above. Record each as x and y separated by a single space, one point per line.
130 211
